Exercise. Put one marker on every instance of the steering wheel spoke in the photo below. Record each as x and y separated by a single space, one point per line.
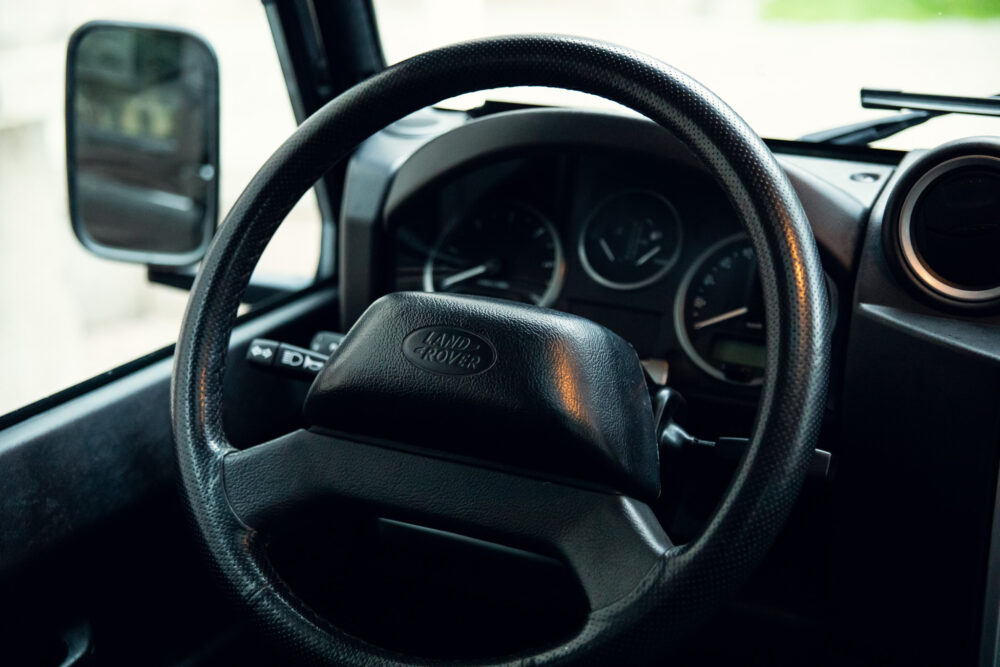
608 540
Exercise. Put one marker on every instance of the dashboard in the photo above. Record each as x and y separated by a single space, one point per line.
609 217
601 215
651 250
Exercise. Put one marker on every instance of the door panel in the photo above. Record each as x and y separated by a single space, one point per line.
93 530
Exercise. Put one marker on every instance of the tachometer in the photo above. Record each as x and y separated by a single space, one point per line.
719 313
631 240
504 249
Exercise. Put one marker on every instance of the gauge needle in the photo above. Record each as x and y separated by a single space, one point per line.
607 250
456 278
648 256
728 315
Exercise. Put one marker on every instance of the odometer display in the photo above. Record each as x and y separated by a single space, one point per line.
733 351
719 313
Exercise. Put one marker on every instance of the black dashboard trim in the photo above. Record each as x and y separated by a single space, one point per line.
388 170
918 465
532 130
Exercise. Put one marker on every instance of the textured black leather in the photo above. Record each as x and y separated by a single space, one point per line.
563 395
689 581
585 529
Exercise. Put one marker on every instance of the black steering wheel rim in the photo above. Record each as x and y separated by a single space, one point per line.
689 581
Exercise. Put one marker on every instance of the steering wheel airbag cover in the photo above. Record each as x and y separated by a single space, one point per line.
689 581
545 390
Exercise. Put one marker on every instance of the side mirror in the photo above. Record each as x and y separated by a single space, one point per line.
142 142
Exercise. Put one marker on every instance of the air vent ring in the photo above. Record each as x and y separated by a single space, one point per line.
942 224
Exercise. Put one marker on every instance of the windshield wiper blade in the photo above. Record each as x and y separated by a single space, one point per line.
897 99
865 132
921 109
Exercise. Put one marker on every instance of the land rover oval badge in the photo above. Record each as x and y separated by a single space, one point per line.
449 350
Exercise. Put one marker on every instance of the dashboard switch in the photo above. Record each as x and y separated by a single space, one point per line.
286 359
299 361
326 342
262 352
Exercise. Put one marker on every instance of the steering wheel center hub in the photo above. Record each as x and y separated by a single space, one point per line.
496 381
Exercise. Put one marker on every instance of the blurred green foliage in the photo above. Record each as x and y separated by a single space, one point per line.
867 10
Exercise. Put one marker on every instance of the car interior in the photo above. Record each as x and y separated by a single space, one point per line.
572 385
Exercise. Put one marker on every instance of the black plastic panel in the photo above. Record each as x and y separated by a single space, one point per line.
916 477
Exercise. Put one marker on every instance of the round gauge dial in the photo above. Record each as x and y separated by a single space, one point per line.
719 313
631 240
504 249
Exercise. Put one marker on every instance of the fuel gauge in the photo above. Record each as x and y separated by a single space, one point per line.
631 240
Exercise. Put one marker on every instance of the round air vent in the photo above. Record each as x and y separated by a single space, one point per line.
944 219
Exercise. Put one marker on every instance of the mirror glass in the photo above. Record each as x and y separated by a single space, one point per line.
142 133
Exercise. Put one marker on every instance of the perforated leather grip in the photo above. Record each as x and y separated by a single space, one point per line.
688 582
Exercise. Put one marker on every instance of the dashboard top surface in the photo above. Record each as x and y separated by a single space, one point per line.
601 215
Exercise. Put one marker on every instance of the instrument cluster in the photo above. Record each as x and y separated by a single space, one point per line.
653 251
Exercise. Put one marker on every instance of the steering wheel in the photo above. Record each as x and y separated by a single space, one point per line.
503 421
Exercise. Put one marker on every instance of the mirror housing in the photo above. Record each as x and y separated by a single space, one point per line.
142 142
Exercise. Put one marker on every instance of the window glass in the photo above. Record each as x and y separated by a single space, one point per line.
789 67
66 315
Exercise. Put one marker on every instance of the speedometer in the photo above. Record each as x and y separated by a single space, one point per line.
504 249
719 313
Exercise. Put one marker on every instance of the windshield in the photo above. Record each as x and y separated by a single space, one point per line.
789 67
